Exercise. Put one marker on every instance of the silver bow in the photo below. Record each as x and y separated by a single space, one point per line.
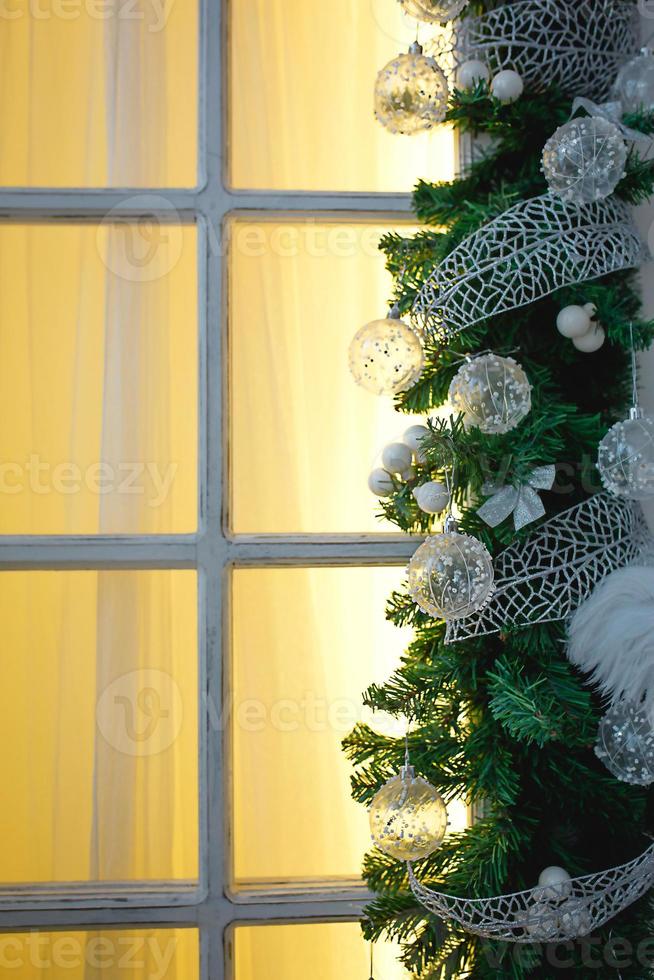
612 112
522 501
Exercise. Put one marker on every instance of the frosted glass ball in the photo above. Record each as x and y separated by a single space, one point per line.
625 744
507 86
472 72
432 498
451 576
408 818
493 393
434 11
591 341
634 86
396 457
626 459
386 357
573 321
380 483
411 94
584 160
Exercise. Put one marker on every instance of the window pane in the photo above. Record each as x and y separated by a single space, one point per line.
321 950
298 293
98 379
100 94
113 954
306 643
301 99
98 703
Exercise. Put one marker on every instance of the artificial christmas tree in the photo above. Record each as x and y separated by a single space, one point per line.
496 713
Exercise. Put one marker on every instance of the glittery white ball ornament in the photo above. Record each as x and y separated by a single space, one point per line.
434 11
408 817
432 498
574 918
408 474
411 93
634 86
590 342
396 457
451 575
386 356
380 483
626 457
574 321
414 436
507 86
625 744
493 393
471 73
554 884
542 922
585 159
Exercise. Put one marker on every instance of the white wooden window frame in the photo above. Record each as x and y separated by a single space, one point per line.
213 551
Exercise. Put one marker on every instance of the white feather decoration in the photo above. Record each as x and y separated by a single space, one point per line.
611 636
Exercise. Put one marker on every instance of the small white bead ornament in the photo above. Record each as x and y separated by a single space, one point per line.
584 160
451 575
386 356
625 744
434 11
414 436
507 86
380 482
408 817
575 321
471 73
590 342
411 93
432 498
634 86
554 884
493 393
397 457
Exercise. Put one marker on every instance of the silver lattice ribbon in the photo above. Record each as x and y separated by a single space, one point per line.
612 112
522 501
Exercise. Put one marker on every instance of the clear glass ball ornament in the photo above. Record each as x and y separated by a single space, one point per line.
434 11
625 744
634 86
451 576
411 93
386 356
626 458
408 817
493 393
585 159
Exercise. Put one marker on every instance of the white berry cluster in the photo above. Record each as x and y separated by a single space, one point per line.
398 466
579 325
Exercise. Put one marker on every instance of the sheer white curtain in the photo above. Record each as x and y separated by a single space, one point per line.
93 363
